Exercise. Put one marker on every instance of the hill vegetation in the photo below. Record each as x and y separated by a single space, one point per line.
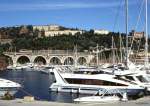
25 38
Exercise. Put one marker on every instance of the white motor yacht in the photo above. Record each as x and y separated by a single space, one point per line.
91 84
140 78
7 86
136 75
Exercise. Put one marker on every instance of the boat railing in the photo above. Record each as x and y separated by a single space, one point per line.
104 91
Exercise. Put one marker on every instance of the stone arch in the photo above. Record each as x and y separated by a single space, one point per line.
23 59
40 60
82 61
68 61
55 61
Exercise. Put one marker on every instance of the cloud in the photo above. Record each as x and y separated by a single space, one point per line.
55 6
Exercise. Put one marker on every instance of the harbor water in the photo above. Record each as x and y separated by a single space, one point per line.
37 84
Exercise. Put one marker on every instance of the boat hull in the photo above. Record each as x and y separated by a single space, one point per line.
11 91
100 90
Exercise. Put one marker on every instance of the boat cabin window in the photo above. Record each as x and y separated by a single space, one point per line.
141 79
122 68
92 82
130 78
110 66
49 67
88 72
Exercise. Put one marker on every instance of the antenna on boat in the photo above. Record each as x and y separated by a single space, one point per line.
146 37
126 61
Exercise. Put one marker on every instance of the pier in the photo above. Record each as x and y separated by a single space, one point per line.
20 102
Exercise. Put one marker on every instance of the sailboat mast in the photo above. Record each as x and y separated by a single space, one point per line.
97 52
120 47
75 54
126 5
146 36
113 51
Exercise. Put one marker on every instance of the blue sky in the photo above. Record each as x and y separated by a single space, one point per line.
83 14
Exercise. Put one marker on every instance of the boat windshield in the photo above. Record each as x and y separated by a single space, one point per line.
124 79
93 82
142 79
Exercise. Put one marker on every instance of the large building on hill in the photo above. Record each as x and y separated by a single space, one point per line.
137 35
4 39
55 30
101 31
46 27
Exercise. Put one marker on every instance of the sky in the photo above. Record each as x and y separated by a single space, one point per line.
82 14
